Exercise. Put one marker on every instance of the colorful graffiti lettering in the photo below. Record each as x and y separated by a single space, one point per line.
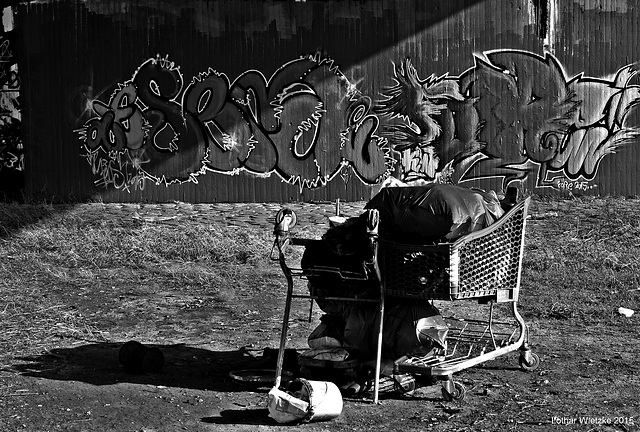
418 104
513 114
11 149
307 124
116 171
11 146
570 186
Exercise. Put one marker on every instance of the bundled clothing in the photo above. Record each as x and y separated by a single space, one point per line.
428 214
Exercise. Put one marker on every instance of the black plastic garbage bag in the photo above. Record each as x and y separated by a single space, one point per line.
433 213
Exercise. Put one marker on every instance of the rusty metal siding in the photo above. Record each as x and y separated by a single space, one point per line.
74 57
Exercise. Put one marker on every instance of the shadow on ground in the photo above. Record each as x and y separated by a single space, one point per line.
14 216
257 416
184 366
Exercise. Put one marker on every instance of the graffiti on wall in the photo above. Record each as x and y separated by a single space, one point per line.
306 124
11 148
513 115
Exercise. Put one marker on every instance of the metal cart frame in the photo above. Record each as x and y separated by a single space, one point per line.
485 265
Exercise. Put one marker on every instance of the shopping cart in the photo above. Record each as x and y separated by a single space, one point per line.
484 266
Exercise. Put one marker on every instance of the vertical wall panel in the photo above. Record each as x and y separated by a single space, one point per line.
495 93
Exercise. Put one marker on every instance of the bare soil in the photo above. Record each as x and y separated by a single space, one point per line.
72 379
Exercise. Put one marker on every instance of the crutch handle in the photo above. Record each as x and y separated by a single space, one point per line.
285 220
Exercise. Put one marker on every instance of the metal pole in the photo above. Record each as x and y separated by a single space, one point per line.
285 322
372 229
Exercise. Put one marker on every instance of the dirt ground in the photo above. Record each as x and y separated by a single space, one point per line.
588 378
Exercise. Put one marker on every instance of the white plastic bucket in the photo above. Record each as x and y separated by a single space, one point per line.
286 408
305 401
325 399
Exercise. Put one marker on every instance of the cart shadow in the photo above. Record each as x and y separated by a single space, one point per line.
184 366
254 417
501 368
504 363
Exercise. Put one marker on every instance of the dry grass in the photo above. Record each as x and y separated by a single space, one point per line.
582 259
66 279
77 283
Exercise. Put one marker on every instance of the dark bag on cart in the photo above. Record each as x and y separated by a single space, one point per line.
433 213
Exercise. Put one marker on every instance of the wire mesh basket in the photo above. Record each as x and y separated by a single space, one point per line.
486 263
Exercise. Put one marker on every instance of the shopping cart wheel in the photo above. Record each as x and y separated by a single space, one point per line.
453 391
529 364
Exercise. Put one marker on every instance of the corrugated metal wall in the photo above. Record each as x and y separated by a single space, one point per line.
236 100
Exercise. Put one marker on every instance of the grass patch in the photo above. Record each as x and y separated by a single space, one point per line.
582 259
67 277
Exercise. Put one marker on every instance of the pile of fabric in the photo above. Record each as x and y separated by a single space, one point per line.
429 214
